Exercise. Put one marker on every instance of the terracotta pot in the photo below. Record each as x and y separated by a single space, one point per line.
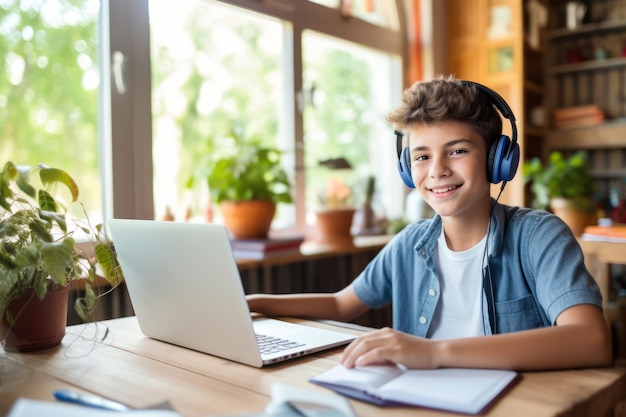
248 219
39 324
333 226
576 219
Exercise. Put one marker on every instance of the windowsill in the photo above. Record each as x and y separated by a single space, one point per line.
311 250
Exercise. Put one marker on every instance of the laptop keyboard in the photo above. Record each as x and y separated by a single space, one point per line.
270 344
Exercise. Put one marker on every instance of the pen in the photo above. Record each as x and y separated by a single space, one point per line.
89 400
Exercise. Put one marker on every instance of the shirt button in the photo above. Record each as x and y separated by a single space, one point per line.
431 292
422 320
423 252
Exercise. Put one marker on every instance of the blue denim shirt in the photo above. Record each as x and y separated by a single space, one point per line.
535 263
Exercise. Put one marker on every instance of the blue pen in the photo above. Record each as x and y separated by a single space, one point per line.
89 400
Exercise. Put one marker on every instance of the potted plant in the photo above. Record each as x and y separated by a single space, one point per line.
40 259
335 214
565 186
247 181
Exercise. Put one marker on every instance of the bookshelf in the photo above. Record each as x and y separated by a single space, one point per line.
587 66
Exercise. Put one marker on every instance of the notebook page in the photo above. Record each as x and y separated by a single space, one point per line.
366 378
464 390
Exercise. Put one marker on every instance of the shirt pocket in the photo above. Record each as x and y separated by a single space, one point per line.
516 315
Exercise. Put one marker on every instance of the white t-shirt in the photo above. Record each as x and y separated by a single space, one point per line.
459 311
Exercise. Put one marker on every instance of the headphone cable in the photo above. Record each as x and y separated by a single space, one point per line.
487 280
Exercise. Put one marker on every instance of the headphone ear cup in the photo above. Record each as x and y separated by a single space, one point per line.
491 157
404 167
499 167
510 164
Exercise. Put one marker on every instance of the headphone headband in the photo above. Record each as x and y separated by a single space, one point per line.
503 108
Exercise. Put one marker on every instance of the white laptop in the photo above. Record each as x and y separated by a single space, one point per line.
185 289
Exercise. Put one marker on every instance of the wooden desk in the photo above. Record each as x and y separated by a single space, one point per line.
139 371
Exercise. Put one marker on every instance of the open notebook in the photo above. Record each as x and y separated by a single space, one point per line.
462 390
185 289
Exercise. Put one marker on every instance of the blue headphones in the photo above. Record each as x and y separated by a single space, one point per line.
503 156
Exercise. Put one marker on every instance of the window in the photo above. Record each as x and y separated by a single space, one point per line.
179 76
216 72
349 88
49 86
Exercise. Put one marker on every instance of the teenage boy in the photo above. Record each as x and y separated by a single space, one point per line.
478 268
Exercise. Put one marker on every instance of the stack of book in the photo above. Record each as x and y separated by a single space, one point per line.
265 248
614 233
578 116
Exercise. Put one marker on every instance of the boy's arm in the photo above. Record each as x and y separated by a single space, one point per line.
580 339
343 305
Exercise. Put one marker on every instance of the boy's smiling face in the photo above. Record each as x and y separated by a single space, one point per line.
448 166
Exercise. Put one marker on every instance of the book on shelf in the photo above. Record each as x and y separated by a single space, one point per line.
580 121
576 111
578 116
462 390
263 248
614 233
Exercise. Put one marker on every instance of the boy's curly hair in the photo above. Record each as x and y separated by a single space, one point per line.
446 98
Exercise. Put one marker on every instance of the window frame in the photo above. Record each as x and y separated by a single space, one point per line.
126 118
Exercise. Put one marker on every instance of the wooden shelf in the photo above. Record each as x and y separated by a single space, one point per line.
588 65
587 29
533 87
612 173
535 131
606 135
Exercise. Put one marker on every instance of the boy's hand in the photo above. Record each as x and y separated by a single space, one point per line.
388 345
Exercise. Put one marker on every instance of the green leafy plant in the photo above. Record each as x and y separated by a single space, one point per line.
562 177
248 170
38 249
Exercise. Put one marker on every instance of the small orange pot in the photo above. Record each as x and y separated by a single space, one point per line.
574 218
248 219
333 226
